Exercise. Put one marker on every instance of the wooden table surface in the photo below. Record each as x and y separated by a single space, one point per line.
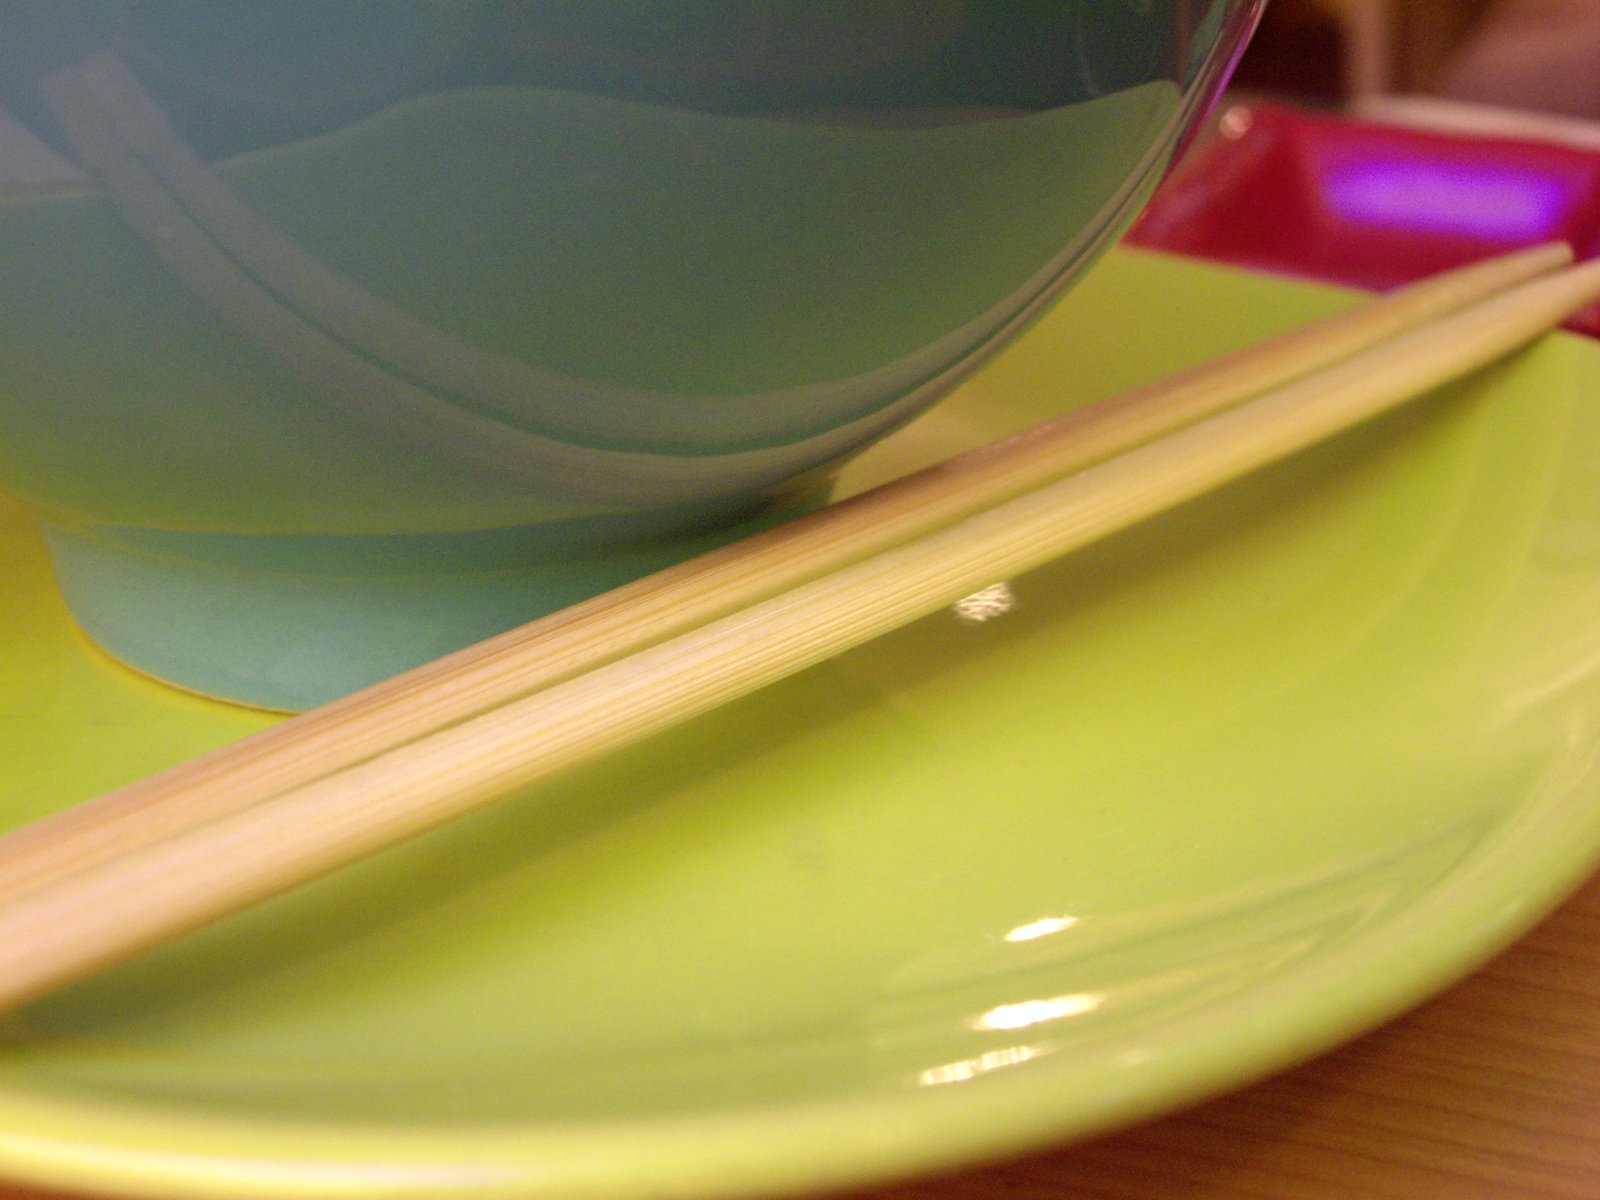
1490 1091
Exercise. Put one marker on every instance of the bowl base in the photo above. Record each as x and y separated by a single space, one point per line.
287 623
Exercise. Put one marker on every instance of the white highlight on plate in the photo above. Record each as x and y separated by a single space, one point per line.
1043 927
1036 1012
993 601
971 1068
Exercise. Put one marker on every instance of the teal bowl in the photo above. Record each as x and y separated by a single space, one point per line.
339 336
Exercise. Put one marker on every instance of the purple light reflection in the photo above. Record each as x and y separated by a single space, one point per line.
1501 203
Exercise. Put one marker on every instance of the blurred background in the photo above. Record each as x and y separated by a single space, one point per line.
1370 142
1530 55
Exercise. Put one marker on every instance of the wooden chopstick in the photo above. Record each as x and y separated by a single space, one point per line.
547 651
156 890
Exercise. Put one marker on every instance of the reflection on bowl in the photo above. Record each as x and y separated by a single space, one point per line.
341 335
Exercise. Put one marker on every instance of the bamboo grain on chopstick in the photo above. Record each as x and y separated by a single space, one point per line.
100 915
679 598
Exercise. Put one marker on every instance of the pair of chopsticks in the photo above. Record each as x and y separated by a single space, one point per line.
95 884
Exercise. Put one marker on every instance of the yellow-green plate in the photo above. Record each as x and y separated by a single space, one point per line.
1158 820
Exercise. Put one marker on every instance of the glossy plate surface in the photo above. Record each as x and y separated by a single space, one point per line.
1182 810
